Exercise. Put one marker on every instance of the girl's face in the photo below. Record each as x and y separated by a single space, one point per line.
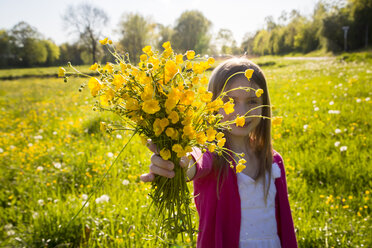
243 102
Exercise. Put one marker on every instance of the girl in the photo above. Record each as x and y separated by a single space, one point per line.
247 209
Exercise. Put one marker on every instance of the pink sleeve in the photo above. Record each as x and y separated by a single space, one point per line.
203 163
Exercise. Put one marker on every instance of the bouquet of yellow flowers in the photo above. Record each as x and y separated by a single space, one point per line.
163 98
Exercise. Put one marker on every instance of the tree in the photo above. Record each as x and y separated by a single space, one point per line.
5 49
52 52
88 22
191 32
27 45
225 40
164 34
136 32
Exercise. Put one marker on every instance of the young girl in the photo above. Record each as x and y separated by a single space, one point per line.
247 209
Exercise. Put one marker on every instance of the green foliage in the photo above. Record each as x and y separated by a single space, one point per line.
191 32
135 34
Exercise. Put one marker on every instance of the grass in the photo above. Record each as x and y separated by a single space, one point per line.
52 155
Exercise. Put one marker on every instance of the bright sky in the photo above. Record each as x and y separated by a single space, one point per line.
240 16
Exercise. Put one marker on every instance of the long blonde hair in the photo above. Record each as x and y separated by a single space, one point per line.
260 138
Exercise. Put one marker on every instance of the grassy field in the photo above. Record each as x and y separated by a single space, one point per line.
52 155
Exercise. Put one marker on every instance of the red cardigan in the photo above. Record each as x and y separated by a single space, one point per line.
219 219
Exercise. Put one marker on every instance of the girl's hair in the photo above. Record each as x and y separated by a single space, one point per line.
259 139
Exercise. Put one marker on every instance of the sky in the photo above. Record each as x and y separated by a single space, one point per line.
240 16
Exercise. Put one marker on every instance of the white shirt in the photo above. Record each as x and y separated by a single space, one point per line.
258 222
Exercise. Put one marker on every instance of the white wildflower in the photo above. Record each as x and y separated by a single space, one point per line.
305 127
118 136
358 100
331 103
337 143
336 112
367 99
40 202
39 168
11 147
30 144
103 198
110 154
35 215
57 165
343 148
84 197
314 101
1 150
298 93
54 133
38 137
338 130
316 109
125 182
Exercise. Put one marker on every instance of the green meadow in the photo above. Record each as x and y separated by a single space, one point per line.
53 155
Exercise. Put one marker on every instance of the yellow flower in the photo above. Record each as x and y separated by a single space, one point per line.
229 107
188 65
159 125
151 106
108 96
190 54
93 67
179 58
221 142
143 57
108 67
94 86
248 73
201 138
167 52
104 41
118 81
220 135
132 104
206 97
277 120
170 70
61 72
211 147
172 133
147 93
211 61
102 126
187 97
204 80
172 100
240 121
197 68
195 80
165 154
177 148
166 45
211 134
240 167
188 132
259 92
147 50
173 116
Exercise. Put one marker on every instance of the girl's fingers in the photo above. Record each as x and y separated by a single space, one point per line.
152 146
164 164
160 171
148 177
184 162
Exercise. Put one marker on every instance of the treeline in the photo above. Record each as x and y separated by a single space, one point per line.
323 30
24 46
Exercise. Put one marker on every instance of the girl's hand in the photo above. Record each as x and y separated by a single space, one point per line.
160 166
